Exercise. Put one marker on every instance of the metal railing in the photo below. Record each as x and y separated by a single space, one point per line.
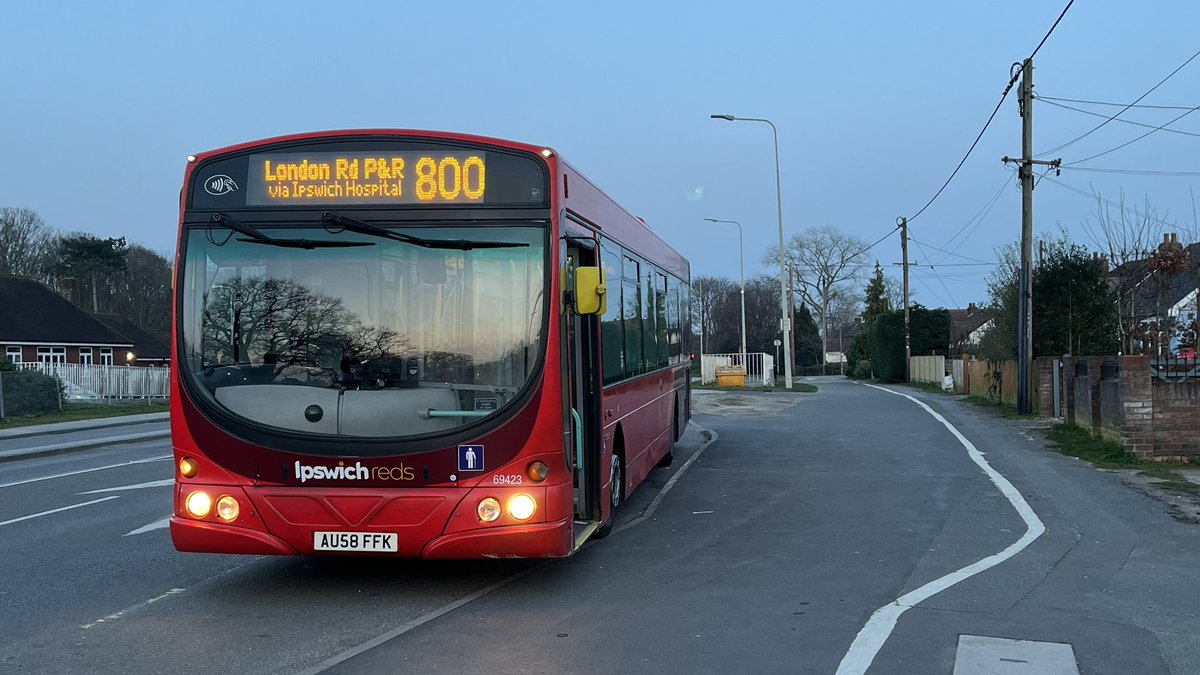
1175 369
760 368
90 382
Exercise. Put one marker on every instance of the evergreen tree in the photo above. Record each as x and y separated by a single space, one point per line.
877 302
1073 305
807 338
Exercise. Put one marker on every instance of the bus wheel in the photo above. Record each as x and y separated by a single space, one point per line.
617 492
617 479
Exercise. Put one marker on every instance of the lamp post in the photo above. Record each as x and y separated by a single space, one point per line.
783 311
742 274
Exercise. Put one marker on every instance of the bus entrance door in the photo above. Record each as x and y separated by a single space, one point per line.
583 396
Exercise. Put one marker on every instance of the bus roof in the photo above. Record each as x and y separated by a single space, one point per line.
401 133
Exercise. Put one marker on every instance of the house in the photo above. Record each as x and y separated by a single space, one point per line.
1157 299
39 325
840 340
147 349
967 327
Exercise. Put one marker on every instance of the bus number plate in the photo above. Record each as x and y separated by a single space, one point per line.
374 542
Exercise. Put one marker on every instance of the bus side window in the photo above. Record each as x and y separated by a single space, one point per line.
660 316
631 295
612 334
674 339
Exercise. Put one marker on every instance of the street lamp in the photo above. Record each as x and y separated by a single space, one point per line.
783 311
742 273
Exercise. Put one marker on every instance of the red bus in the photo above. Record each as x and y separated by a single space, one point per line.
415 344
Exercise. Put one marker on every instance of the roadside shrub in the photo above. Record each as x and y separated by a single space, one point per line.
28 392
862 370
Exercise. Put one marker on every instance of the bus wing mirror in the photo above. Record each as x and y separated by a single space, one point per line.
590 294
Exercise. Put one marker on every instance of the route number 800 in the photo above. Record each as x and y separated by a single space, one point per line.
449 178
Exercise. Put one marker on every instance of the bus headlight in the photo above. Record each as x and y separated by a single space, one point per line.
522 507
488 509
188 468
227 508
199 504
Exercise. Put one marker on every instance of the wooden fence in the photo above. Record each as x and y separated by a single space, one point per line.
992 380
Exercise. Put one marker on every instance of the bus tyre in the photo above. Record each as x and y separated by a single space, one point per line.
616 477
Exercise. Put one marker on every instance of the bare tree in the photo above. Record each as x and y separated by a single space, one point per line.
1126 236
142 291
710 300
823 257
24 242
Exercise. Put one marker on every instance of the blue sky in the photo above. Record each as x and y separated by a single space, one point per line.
875 103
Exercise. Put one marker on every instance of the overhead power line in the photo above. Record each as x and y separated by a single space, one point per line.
1125 121
1135 140
1110 103
1119 112
957 255
933 268
1120 207
1011 81
1135 172
977 219
877 242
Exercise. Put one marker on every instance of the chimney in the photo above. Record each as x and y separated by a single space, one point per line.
971 308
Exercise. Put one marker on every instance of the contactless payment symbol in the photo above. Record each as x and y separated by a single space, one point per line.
470 458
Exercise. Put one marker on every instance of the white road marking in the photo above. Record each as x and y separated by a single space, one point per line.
65 508
712 438
877 629
116 615
419 621
446 609
173 592
156 525
98 468
121 488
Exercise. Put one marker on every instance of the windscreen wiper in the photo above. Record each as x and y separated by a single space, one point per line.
254 236
362 227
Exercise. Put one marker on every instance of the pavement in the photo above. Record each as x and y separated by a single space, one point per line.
41 440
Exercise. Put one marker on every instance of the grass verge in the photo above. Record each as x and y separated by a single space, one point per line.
929 387
1108 454
73 412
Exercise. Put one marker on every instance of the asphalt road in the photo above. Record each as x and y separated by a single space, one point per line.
770 553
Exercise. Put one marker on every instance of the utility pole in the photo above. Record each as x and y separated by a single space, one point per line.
1025 287
907 332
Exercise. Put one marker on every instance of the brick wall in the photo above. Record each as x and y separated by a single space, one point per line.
1112 414
1152 418
1043 383
1176 420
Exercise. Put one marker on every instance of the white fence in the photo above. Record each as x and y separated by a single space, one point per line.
88 382
760 368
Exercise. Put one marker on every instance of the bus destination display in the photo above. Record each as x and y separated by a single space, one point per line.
375 177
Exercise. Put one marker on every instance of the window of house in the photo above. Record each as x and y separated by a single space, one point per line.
106 358
13 353
52 354
85 356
